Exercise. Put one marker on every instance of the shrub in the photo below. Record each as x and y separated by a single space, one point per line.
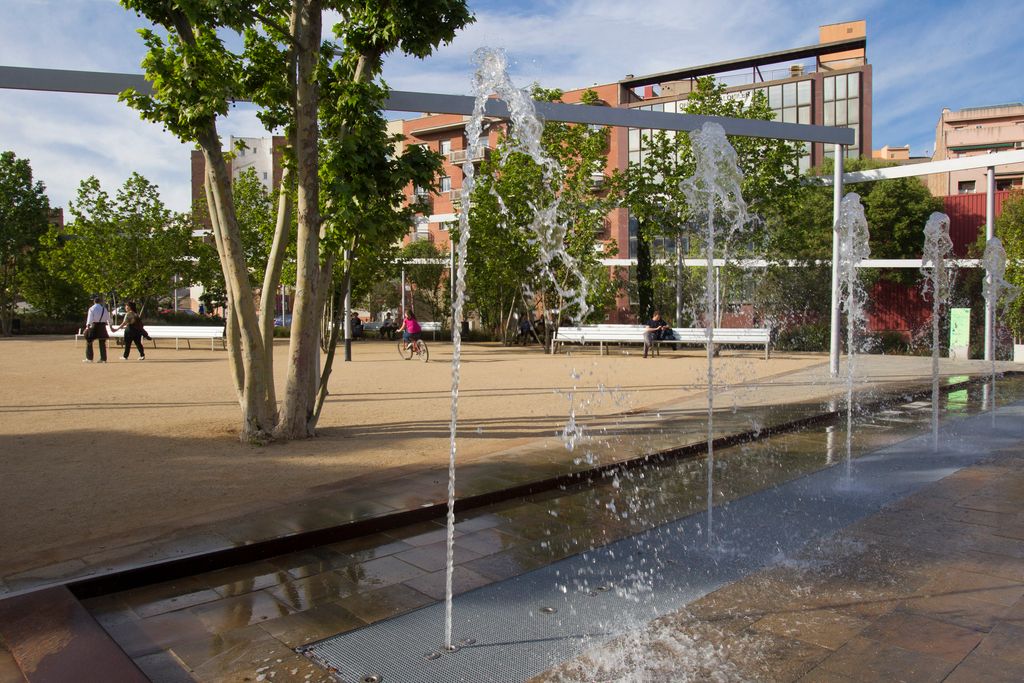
805 337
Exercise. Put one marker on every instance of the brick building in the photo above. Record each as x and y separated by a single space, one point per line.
828 83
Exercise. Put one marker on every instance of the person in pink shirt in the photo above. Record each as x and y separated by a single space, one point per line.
410 328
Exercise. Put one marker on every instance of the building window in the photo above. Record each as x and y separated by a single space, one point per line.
446 184
965 187
1007 183
264 175
446 147
841 107
791 102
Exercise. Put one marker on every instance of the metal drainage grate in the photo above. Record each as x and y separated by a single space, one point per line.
519 628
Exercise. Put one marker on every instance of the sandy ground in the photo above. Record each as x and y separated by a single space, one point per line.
130 450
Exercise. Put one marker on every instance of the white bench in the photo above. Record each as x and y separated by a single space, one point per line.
634 334
175 332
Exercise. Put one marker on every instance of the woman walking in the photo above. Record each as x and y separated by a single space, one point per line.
133 331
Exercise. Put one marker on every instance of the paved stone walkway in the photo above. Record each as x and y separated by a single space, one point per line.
927 589
930 589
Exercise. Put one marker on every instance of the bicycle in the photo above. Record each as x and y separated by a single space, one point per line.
417 348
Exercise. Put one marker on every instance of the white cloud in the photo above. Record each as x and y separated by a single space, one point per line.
926 55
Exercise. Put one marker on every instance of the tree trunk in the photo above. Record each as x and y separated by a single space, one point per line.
258 414
272 278
644 284
6 314
304 348
232 341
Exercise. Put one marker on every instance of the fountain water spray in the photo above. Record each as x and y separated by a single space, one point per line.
938 281
853 248
546 232
995 288
714 190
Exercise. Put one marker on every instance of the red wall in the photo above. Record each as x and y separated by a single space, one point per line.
901 308
897 307
967 217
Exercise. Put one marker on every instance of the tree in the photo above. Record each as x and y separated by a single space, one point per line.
129 245
24 215
430 286
801 230
305 85
651 190
504 272
896 209
1010 230
52 295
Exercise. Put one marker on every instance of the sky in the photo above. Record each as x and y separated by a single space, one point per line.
925 55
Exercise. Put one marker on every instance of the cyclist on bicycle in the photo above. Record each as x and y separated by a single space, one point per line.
410 329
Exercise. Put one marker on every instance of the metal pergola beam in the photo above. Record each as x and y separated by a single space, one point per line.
58 80
621 117
930 167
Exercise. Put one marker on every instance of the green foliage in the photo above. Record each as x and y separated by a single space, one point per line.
800 229
51 295
429 281
651 190
130 245
896 210
1010 229
804 337
504 263
24 213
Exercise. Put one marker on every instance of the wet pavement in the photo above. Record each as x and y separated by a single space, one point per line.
930 589
243 623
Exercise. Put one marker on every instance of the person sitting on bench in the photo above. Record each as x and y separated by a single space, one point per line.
657 329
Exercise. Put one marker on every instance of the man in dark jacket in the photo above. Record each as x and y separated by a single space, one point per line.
656 329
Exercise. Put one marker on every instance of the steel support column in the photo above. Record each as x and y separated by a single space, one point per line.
990 232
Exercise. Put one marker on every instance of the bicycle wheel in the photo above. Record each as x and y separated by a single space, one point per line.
421 350
403 350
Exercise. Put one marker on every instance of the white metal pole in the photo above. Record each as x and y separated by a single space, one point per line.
718 298
679 280
837 199
403 292
990 232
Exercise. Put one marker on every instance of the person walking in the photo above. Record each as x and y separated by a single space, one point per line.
96 322
133 331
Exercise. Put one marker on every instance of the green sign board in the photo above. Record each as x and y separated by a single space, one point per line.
959 328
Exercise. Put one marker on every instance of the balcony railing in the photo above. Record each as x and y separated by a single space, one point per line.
423 198
459 156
